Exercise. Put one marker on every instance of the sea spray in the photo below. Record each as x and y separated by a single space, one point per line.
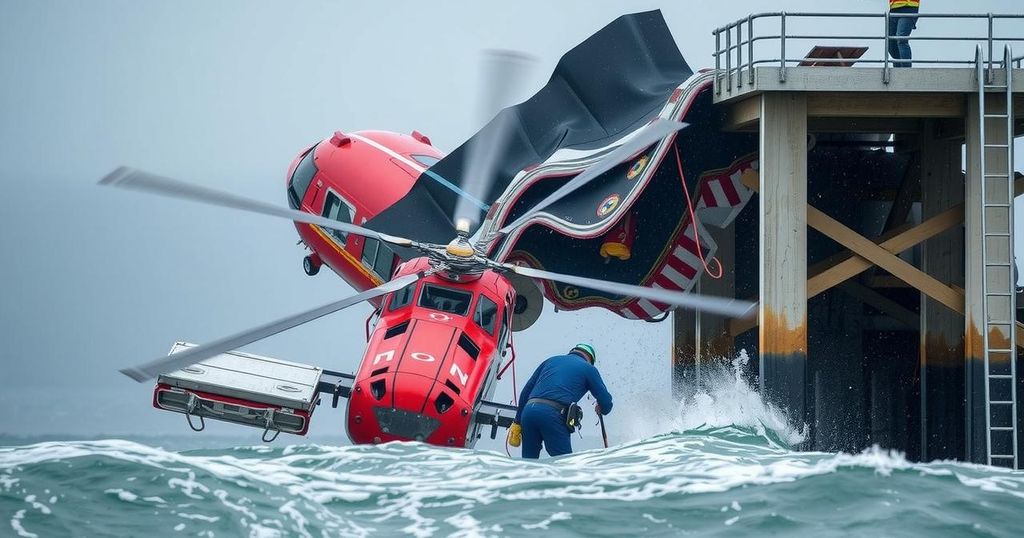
722 397
719 397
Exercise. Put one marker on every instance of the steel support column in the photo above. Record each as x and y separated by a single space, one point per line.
783 252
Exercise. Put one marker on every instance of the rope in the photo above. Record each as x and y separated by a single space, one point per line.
515 391
515 396
693 219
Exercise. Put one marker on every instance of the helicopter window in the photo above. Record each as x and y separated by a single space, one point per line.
384 261
301 178
378 257
486 314
369 251
426 159
340 210
446 299
402 297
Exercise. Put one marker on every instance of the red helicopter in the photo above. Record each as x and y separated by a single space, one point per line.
444 316
434 354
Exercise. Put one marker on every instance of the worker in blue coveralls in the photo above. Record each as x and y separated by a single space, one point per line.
550 394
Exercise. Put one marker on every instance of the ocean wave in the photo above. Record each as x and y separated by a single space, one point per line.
719 461
707 478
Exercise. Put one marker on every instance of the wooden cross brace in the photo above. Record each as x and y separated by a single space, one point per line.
863 253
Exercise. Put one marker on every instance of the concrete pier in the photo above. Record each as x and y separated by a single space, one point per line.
886 289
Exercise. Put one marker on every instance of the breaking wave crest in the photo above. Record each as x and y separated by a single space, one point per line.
724 398
720 398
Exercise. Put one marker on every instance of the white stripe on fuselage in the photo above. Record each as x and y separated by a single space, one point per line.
411 164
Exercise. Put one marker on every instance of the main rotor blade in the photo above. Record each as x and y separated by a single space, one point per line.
193 355
732 308
131 178
655 131
504 72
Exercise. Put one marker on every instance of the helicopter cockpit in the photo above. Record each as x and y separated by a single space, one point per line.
452 301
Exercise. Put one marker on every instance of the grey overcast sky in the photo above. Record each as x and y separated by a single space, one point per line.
225 93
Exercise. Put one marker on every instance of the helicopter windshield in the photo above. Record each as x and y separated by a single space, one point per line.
445 299
486 314
299 182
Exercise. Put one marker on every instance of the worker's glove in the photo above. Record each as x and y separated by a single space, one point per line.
515 434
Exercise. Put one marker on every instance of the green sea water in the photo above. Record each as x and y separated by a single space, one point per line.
708 482
723 466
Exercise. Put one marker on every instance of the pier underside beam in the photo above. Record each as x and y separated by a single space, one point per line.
866 113
783 252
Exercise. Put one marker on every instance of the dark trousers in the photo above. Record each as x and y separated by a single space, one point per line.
899 49
543 424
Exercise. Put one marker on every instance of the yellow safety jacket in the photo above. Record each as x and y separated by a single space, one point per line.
893 4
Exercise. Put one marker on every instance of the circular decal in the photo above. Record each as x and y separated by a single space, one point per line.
571 292
637 167
425 357
608 205
437 316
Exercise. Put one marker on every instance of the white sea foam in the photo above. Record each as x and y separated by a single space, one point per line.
201 517
18 528
124 495
468 526
8 482
259 531
543 525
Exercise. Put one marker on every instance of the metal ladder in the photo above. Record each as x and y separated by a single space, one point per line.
998 282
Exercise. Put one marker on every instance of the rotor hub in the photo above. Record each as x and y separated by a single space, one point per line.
460 247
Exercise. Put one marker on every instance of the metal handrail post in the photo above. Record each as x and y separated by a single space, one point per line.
782 57
750 49
728 58
718 62
885 64
739 54
989 74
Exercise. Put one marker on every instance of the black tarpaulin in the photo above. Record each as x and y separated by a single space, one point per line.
608 85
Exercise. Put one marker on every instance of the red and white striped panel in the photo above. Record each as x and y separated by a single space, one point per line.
722 197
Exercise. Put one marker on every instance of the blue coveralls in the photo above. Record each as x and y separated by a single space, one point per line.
564 379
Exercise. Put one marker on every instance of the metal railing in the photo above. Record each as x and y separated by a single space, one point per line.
739 58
